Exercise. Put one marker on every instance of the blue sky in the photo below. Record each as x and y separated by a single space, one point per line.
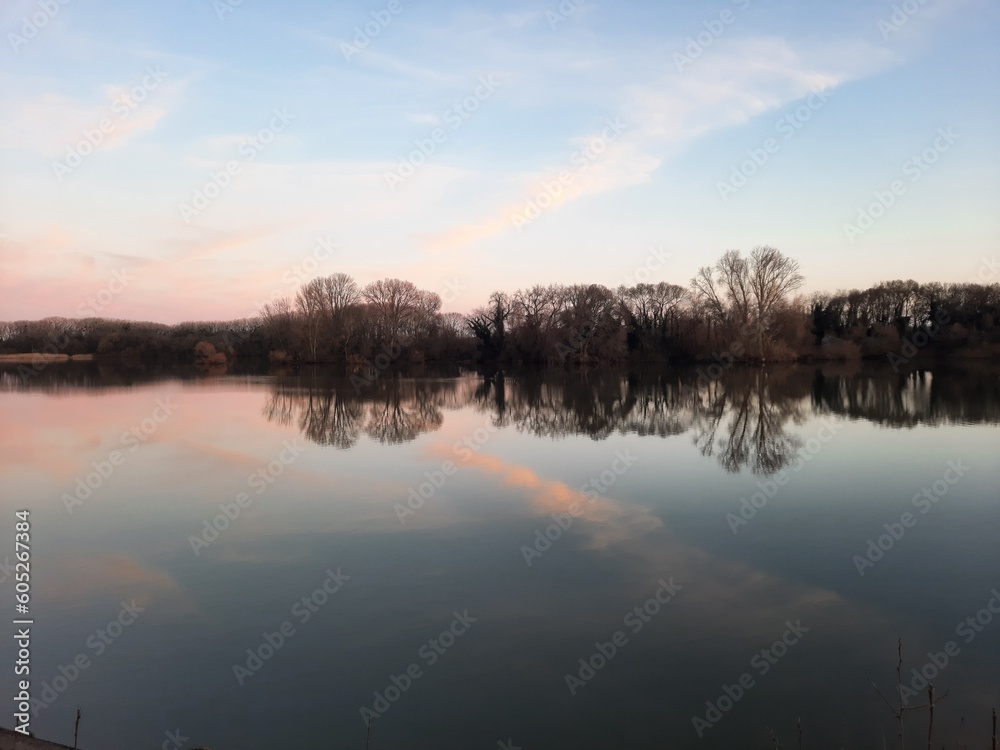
836 102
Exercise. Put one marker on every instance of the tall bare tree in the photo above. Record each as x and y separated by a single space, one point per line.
734 275
394 302
311 307
340 295
277 319
744 291
771 277
340 291
709 297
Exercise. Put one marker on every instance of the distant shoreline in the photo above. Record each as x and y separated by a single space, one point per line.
739 310
46 357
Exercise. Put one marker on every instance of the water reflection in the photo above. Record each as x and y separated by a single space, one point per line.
464 547
745 426
742 418
962 396
389 411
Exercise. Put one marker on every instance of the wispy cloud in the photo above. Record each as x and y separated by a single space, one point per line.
663 115
50 123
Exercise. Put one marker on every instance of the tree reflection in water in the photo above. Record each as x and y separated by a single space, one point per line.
330 411
744 418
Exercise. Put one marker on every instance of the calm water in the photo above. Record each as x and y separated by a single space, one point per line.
619 490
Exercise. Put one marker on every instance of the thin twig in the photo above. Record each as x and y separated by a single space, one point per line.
76 728
930 720
882 696
899 689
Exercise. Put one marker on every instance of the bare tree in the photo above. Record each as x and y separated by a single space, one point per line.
709 297
734 275
771 277
742 291
394 302
426 312
536 306
340 295
310 305
340 291
276 318
590 326
667 300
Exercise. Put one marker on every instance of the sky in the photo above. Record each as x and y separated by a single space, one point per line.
191 160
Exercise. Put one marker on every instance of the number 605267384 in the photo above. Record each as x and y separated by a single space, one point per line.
22 569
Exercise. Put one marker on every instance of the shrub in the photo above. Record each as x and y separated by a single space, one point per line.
206 354
834 348
203 350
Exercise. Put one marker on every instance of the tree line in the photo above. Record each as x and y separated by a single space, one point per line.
742 308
